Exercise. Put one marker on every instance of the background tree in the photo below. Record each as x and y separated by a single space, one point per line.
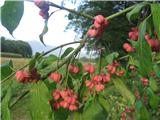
114 33
19 47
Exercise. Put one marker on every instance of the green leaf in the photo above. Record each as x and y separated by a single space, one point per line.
109 58
61 114
133 61
66 52
6 69
40 107
155 8
94 112
138 105
45 30
46 61
134 13
157 70
144 114
153 84
153 99
123 90
5 105
50 59
11 14
32 62
75 116
105 103
144 53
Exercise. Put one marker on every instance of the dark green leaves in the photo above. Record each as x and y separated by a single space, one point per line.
6 69
11 14
39 102
155 8
134 14
66 52
143 51
45 30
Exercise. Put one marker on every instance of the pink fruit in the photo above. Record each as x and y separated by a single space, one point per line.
92 33
97 78
73 107
120 73
106 78
89 68
56 77
21 76
99 87
99 19
73 69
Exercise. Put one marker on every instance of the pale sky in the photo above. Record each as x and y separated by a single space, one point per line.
31 25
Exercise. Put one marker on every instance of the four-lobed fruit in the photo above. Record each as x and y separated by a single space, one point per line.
73 69
89 68
66 99
128 48
56 77
133 35
145 81
100 23
22 75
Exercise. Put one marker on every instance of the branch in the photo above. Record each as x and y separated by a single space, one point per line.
75 42
120 13
67 9
109 18
67 59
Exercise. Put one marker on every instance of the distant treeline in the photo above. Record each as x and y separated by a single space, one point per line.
18 47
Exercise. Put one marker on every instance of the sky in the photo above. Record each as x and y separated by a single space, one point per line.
31 25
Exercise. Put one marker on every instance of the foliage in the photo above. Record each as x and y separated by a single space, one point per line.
113 87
